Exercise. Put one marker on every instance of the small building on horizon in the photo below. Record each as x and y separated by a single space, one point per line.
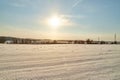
8 42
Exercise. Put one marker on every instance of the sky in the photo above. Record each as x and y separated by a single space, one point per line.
78 19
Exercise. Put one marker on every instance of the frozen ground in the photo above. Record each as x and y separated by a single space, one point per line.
59 62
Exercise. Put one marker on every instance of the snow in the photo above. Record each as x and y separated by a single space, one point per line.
59 62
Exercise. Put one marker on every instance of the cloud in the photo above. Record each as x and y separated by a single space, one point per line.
70 19
76 3
65 20
73 16
20 3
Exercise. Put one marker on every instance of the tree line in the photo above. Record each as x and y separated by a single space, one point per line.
13 40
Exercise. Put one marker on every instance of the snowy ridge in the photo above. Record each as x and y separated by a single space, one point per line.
59 62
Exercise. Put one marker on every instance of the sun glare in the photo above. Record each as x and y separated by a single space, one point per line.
54 21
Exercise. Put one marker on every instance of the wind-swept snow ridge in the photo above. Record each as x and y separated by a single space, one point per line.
59 62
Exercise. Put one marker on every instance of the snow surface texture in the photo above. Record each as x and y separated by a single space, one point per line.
59 62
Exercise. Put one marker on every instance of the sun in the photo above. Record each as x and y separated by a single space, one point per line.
54 21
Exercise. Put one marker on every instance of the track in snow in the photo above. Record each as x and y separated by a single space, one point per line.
59 62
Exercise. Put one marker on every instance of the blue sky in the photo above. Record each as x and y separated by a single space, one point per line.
84 19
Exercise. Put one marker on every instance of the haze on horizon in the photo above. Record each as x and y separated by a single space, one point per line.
60 19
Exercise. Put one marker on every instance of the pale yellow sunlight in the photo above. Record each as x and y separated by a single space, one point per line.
55 21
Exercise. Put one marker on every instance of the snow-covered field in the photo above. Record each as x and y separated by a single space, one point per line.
59 62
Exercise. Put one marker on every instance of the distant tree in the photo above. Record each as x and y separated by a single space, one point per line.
2 39
75 42
115 42
102 42
88 41
70 42
54 42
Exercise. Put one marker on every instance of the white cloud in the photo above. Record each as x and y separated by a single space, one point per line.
73 16
76 3
70 20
